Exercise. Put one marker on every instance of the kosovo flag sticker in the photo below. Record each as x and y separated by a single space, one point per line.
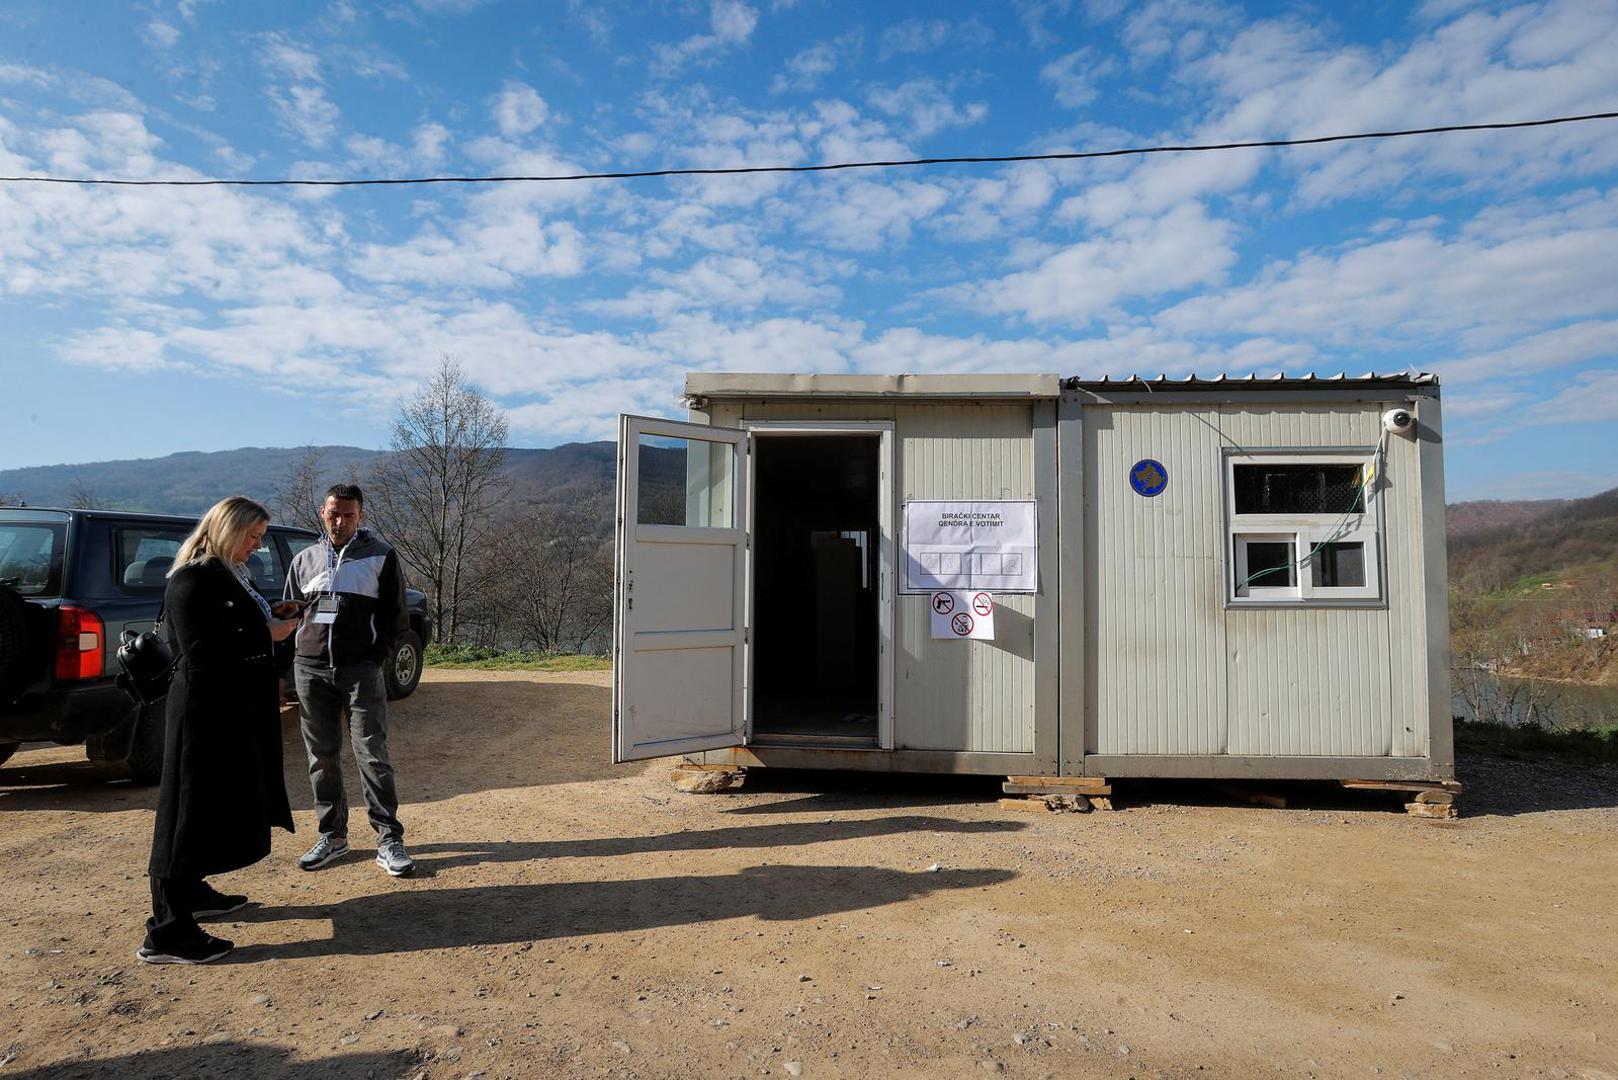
1148 477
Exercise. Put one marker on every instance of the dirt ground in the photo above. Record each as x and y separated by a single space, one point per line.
571 918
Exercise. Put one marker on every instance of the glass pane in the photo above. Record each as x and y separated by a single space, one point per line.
1339 566
1297 489
1269 564
31 558
686 482
146 555
264 565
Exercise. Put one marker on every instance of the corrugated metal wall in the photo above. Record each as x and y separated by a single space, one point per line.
950 452
1169 670
1154 641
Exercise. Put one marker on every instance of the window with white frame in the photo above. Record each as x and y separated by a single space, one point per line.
1301 527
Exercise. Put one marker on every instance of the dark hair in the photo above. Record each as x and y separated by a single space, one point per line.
345 492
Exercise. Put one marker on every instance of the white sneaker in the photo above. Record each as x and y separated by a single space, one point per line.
325 850
392 857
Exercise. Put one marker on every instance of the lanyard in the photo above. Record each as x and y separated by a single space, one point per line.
334 563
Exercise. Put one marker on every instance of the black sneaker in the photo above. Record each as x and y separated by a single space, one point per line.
203 950
212 902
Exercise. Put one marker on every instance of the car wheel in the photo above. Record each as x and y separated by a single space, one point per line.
146 749
403 669
6 750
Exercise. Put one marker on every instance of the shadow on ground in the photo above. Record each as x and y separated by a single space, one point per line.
446 739
432 858
826 790
231 1059
503 914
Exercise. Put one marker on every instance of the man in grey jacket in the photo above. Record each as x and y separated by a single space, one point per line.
354 591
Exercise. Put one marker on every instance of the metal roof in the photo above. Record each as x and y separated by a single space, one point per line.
1279 379
727 384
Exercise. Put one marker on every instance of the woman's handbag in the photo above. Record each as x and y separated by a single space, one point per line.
147 662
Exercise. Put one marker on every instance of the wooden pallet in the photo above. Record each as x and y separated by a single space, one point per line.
1428 798
1056 785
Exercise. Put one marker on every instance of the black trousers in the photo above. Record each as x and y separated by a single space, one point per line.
172 923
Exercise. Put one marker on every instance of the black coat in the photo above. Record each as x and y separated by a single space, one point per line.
222 787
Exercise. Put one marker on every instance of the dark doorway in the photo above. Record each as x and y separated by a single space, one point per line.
816 578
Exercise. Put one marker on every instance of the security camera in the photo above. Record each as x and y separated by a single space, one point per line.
1398 421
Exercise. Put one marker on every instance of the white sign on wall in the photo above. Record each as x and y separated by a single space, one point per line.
989 546
962 615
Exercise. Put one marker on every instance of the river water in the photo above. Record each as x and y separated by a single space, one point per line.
1551 704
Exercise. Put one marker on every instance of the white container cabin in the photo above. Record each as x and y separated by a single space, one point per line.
1194 577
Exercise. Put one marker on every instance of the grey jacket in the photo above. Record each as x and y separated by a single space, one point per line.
371 611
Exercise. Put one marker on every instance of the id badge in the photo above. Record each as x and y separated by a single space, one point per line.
326 609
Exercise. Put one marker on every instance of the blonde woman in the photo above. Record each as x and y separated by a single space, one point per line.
222 789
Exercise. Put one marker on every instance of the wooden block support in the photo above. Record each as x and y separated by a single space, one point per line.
1431 810
706 779
1017 787
1057 785
1404 785
1100 802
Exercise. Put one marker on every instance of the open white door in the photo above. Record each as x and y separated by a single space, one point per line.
678 664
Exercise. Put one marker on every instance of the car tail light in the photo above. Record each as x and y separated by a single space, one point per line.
80 642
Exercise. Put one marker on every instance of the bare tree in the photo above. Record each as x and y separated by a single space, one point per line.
81 496
556 581
296 499
435 493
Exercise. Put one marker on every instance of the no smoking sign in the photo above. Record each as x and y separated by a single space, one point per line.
958 614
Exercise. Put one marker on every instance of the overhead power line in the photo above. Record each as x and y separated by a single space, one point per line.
744 170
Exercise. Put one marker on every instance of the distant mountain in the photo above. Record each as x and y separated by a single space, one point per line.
185 483
1574 539
578 476
1466 519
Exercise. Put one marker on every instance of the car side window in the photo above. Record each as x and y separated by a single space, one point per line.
294 543
145 555
267 569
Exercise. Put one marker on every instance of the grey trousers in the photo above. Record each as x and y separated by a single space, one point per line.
324 695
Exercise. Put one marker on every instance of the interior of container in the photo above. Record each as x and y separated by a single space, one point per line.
816 633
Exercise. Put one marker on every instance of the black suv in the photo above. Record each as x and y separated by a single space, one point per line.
71 581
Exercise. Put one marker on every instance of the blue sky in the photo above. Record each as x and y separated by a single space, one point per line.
138 322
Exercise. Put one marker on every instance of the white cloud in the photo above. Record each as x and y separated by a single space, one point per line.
869 215
1073 77
744 282
117 349
1565 346
23 74
1139 257
732 24
926 108
1544 484
1036 13
1419 285
518 110
306 112
1592 396
486 254
282 56
161 34
805 70
914 36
